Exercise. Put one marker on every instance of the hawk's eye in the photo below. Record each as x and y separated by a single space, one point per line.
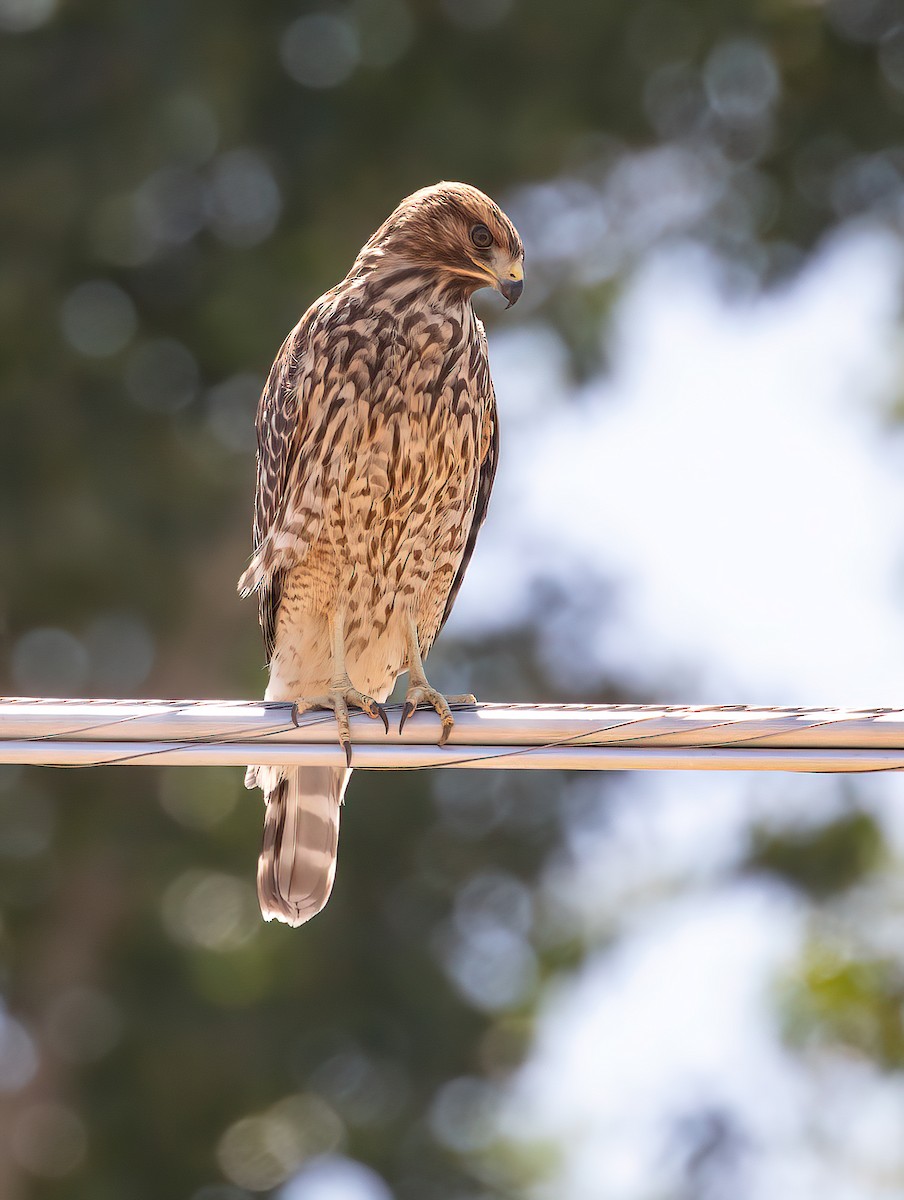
481 237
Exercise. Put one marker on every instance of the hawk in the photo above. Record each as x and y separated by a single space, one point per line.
377 444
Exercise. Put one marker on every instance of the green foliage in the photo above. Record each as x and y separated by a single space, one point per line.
822 860
846 996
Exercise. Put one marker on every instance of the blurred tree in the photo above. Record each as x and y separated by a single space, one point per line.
179 182
823 860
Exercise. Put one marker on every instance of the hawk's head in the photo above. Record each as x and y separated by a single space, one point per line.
456 231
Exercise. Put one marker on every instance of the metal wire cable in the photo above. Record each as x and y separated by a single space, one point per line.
563 737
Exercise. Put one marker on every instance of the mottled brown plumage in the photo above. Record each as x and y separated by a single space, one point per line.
377 447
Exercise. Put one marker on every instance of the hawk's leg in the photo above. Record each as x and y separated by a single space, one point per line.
342 691
420 691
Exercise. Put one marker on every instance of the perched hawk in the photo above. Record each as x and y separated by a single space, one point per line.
377 445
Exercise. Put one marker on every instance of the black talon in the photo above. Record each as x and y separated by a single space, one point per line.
347 746
381 713
295 714
406 713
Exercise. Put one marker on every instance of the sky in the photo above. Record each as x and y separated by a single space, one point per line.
734 475
731 472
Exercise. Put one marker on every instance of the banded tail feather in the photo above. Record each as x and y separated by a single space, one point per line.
297 862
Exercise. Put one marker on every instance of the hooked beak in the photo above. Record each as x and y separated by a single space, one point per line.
511 284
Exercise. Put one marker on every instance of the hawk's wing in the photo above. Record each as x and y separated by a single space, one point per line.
485 480
287 512
277 419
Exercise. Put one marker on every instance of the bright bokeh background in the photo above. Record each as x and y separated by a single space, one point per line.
677 986
739 471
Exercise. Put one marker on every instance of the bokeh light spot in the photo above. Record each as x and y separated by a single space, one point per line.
48 1140
675 101
49 662
473 811
98 318
492 967
244 199
741 79
365 1091
171 205
18 1056
262 1151
21 16
891 58
864 182
334 1177
320 51
863 20
162 375
461 1115
83 1025
199 799
493 897
231 408
211 910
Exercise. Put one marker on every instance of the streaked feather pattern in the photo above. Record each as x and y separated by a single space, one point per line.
377 448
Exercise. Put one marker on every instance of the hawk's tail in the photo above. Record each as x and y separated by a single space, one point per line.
301 837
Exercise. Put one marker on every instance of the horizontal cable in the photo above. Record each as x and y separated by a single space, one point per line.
611 737
407 757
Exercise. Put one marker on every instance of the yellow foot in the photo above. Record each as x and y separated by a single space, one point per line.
338 699
423 693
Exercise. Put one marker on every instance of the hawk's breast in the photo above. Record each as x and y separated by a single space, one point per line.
405 490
